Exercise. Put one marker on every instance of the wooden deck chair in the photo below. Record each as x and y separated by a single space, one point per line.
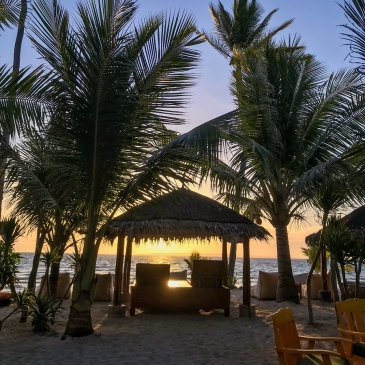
350 315
290 352
155 275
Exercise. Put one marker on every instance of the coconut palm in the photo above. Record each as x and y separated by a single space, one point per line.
244 28
289 129
115 86
328 199
235 33
9 12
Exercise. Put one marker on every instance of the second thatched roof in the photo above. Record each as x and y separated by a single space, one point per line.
183 215
354 221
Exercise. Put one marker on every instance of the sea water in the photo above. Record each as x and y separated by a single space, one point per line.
106 264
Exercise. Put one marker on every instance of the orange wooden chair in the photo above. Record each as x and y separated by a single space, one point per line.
350 315
290 352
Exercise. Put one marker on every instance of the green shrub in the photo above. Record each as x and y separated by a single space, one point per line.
43 312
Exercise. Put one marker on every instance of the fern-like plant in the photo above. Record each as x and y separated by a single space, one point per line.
43 312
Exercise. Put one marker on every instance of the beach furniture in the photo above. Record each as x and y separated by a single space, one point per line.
290 351
104 287
350 315
5 298
63 284
153 289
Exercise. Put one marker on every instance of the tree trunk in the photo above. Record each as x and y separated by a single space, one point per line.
53 278
334 284
343 294
232 259
16 66
321 252
286 289
36 258
344 281
79 321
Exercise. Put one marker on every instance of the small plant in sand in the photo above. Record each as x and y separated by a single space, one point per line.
195 255
232 281
43 312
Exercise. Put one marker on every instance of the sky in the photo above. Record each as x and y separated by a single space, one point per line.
316 21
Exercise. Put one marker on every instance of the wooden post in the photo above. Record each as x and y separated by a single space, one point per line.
129 243
225 262
246 272
118 277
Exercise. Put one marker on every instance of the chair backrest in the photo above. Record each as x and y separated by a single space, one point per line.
152 274
286 336
350 315
207 273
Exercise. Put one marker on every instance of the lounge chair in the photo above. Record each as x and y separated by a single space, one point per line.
290 352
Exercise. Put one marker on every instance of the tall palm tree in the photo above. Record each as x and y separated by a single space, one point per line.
235 33
115 86
9 12
289 129
244 28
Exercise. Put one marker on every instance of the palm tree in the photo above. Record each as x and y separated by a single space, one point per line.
9 12
328 199
115 85
289 129
242 29
235 33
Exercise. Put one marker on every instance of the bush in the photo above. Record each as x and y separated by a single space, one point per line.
43 312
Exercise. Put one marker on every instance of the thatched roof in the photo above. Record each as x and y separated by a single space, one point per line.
354 221
184 214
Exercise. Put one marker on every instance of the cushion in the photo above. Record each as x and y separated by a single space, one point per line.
5 298
266 285
207 273
317 360
179 275
104 287
316 286
64 281
157 275
359 349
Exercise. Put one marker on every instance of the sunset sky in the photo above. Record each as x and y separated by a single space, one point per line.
317 24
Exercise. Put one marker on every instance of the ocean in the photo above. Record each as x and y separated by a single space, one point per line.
106 264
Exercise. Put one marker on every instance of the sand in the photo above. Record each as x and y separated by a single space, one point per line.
166 339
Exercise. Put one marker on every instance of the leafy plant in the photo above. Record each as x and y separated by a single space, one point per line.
10 230
43 312
195 255
232 281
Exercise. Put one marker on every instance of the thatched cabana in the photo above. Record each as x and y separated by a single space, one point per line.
181 215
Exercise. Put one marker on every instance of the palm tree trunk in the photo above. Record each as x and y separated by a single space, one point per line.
16 66
344 281
79 321
320 252
53 278
35 265
286 289
334 284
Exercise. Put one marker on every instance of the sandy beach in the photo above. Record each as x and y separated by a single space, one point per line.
167 339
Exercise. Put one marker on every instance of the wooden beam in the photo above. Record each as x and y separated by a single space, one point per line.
130 241
118 277
225 262
246 272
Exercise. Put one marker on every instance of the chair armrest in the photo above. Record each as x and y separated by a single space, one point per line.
309 352
329 339
325 354
351 334
343 345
